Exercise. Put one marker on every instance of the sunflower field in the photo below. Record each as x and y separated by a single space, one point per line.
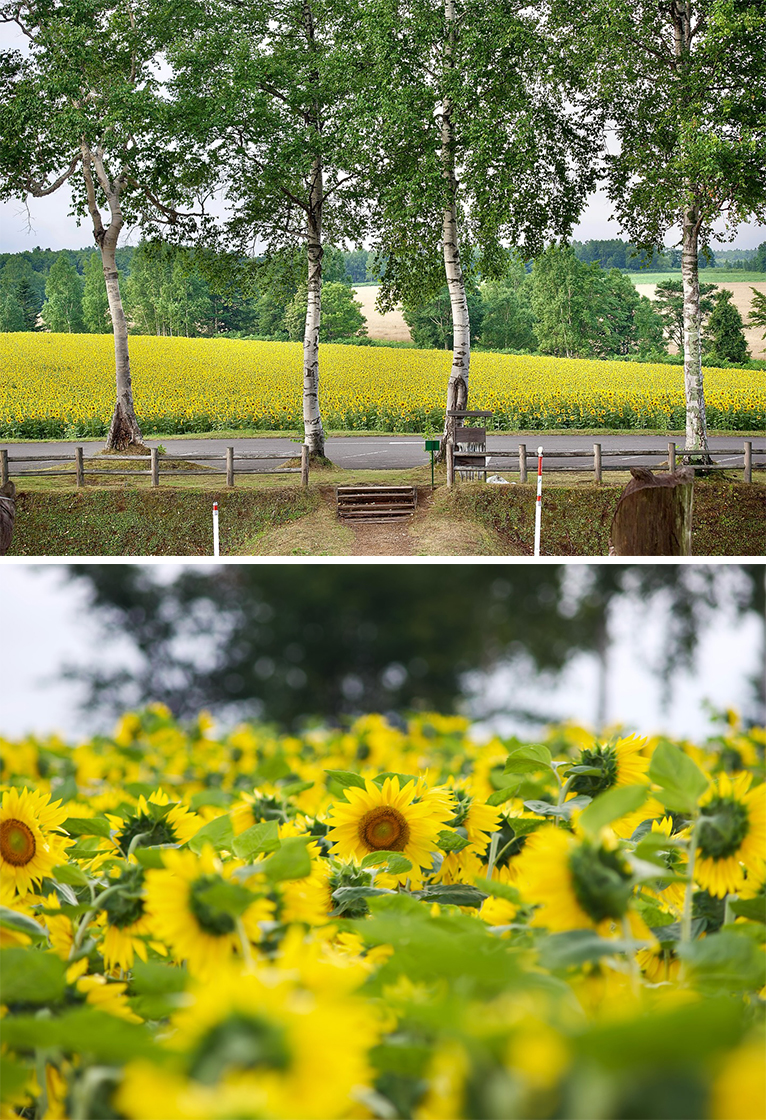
382 921
62 385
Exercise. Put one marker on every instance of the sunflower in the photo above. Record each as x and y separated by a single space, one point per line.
253 1045
475 817
29 845
127 920
153 826
184 917
731 832
576 884
386 818
618 763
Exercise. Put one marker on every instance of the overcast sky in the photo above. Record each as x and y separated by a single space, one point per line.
45 222
45 622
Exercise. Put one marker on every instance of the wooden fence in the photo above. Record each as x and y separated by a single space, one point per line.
598 456
156 460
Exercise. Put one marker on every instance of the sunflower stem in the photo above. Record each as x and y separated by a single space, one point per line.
85 922
686 920
728 915
495 840
41 1106
244 941
563 791
136 841
627 936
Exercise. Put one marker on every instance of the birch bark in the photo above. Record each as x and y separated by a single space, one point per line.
457 386
696 428
312 419
696 424
124 430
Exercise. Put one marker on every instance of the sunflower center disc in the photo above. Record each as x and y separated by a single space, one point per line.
384 830
17 843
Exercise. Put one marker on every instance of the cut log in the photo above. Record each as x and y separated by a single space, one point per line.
653 516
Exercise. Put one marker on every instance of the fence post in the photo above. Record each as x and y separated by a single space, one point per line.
522 462
229 466
3 467
748 461
597 461
671 457
304 464
450 463
79 466
155 466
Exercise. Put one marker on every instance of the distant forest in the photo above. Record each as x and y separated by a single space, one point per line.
172 291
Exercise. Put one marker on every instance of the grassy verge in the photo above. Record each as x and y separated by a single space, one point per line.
135 522
297 436
273 516
729 518
707 276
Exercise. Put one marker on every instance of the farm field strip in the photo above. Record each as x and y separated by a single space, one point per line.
63 385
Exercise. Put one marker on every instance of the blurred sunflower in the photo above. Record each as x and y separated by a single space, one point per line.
157 821
577 884
186 913
127 920
731 832
252 1045
618 763
29 844
388 819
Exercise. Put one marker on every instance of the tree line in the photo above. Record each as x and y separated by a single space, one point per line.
448 134
553 305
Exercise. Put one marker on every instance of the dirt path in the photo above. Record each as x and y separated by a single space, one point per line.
391 538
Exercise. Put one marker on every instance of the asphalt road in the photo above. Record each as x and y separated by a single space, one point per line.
387 452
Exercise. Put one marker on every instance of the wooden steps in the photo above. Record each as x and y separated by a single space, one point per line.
374 504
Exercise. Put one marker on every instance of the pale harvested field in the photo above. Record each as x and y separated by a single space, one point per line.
742 299
390 326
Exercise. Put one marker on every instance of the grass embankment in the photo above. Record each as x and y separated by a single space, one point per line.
281 519
729 518
128 521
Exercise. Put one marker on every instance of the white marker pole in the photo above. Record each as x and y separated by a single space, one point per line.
539 500
215 529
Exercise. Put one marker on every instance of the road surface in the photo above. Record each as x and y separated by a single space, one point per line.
389 452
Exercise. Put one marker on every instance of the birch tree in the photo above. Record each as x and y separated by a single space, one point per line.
81 107
481 148
684 87
265 86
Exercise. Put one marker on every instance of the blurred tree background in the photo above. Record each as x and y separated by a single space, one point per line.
289 643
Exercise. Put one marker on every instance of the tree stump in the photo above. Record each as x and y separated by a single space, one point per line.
7 515
654 515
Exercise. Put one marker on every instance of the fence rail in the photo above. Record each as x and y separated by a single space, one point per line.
155 460
456 458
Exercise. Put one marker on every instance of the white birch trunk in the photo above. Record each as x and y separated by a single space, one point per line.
124 430
457 387
696 424
312 417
